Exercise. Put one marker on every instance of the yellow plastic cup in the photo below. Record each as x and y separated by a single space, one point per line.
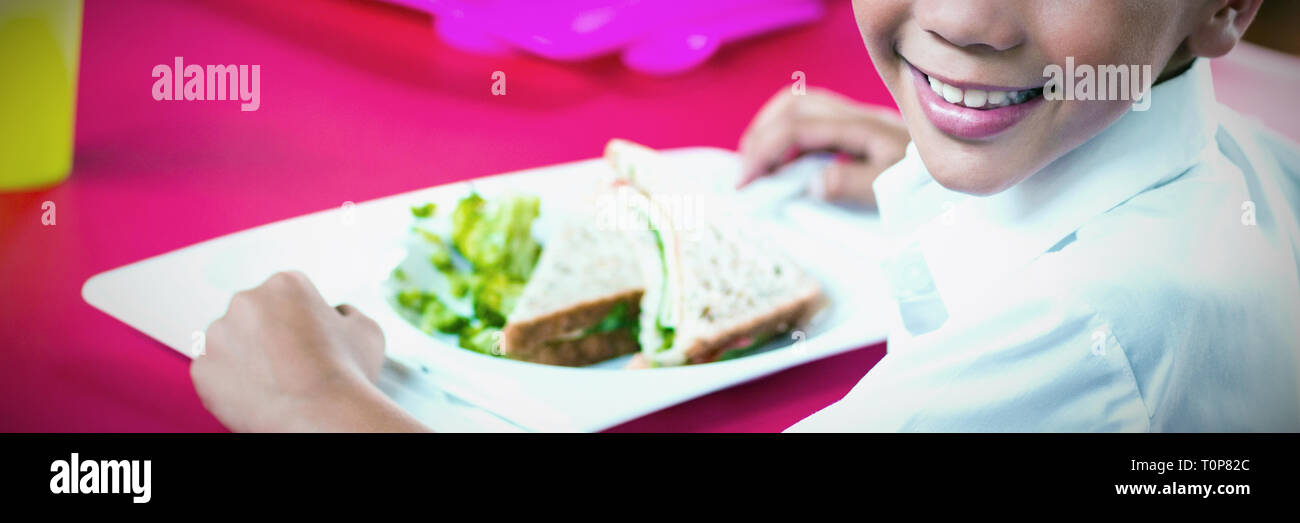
40 49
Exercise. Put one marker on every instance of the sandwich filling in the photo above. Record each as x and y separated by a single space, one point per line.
619 317
663 279
714 290
658 330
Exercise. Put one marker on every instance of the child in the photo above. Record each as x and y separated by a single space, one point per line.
1059 265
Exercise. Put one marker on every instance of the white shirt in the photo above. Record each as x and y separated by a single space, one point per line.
1125 287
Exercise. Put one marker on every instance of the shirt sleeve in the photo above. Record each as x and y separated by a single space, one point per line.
1024 365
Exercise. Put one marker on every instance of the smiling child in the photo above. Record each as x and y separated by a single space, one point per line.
1058 264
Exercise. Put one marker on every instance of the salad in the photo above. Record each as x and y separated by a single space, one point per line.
481 254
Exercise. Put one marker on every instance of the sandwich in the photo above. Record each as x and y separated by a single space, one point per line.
582 302
713 290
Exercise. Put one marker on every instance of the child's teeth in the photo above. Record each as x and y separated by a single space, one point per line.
952 94
977 98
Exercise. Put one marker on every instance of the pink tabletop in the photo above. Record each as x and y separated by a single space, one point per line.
359 101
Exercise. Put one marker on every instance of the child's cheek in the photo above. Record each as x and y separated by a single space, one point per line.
880 22
1122 32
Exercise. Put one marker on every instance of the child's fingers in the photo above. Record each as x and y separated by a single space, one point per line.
291 286
849 182
887 139
776 128
764 148
773 110
817 121
755 142
769 143
774 144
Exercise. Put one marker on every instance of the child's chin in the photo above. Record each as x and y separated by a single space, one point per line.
974 185
976 174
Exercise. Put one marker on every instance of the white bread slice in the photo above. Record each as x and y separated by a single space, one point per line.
720 285
583 273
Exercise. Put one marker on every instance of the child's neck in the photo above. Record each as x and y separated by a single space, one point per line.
1179 64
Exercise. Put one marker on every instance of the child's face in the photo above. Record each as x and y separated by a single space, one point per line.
1004 45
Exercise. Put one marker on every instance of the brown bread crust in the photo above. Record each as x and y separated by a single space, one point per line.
793 314
532 339
587 350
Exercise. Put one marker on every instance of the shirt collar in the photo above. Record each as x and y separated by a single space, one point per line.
969 242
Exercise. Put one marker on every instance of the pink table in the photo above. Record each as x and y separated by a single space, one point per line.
359 101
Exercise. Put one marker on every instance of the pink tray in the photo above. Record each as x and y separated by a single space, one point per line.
656 37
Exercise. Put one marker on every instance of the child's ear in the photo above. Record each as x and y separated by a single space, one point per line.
1227 20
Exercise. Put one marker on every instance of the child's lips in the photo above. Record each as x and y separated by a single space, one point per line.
972 113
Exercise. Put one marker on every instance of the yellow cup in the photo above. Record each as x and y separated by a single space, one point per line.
40 49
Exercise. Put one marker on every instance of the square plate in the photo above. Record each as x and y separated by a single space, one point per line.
349 252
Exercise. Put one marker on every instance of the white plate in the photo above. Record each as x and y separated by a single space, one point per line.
349 252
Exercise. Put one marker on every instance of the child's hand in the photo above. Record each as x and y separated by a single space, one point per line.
282 359
820 120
